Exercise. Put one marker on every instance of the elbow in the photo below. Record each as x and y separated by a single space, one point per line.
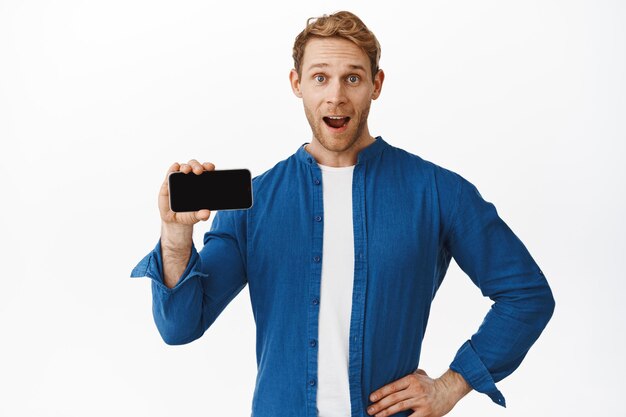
547 298
534 306
172 341
543 307
550 305
176 327
177 332
174 338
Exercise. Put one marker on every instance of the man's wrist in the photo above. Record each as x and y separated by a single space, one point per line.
176 239
455 385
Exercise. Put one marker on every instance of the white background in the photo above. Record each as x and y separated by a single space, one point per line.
97 99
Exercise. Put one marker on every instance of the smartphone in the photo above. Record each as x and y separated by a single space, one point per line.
227 189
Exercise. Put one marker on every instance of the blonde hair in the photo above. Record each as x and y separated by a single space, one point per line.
344 25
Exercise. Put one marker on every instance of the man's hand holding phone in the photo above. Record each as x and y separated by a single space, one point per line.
177 228
188 194
186 218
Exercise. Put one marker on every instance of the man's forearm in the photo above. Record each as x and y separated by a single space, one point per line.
176 241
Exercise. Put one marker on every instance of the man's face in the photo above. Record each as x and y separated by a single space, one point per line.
336 89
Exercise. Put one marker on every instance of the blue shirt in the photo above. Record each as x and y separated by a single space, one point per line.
410 217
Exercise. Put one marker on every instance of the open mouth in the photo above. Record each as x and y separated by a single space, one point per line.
336 122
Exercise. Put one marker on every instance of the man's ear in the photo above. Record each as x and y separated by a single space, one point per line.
295 83
378 84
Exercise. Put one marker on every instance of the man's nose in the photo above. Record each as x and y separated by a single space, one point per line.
336 93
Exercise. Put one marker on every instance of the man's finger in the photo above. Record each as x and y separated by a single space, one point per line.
164 190
402 405
392 403
395 386
174 167
195 166
201 214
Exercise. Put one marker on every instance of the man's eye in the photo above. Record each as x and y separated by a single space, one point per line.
320 78
353 79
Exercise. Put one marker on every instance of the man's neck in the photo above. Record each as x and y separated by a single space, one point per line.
338 159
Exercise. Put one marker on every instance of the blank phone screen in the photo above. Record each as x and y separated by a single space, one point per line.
228 189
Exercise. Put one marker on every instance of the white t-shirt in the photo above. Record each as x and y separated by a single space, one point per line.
333 389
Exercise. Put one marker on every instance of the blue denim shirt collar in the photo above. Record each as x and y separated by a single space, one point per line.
371 151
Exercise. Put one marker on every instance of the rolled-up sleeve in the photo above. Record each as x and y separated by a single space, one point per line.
496 260
212 279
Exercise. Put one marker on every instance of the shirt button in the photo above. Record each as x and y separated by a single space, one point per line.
318 218
313 343
312 382
316 258
316 301
316 181
309 159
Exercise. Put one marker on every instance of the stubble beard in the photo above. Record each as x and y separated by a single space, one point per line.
325 139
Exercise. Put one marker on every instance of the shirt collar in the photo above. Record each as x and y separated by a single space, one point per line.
369 152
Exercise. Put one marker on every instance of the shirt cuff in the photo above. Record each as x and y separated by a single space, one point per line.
470 366
151 266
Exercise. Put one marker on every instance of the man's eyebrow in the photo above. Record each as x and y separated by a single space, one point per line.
323 65
357 67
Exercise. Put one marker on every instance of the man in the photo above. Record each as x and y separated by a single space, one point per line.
343 251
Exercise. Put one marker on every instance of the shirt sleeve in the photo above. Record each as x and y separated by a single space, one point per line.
211 280
495 259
